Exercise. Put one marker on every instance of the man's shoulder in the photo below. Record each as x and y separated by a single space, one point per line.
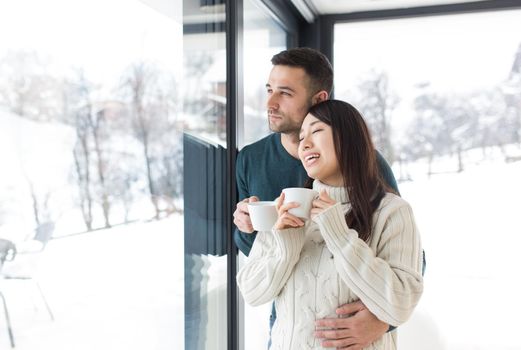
259 146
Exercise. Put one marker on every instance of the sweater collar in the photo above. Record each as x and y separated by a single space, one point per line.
339 194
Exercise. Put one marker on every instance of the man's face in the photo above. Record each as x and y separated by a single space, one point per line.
288 98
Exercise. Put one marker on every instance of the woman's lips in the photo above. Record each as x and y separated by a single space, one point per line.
311 158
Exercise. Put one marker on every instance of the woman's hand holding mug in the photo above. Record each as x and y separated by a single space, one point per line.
286 220
322 203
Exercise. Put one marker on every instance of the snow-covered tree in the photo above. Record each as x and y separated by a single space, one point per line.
377 102
512 93
150 94
27 88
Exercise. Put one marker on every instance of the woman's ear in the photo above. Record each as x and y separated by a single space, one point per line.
320 96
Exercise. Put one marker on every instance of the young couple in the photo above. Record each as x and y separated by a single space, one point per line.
341 279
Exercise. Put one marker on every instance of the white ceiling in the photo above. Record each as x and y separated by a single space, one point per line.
346 6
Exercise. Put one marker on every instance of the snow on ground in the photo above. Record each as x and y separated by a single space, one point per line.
471 235
123 288
111 289
32 154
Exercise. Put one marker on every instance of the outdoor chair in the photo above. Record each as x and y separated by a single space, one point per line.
20 262
7 253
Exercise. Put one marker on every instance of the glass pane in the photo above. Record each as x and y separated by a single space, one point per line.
91 181
443 97
263 38
204 116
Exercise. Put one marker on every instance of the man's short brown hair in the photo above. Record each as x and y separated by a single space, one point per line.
315 64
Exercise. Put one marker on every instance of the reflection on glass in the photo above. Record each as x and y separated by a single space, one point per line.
443 97
263 38
204 116
91 147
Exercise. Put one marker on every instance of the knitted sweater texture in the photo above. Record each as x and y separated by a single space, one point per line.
310 271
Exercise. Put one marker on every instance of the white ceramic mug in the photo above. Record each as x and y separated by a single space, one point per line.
304 197
263 215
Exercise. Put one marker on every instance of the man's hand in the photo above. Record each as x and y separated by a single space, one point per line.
241 216
355 328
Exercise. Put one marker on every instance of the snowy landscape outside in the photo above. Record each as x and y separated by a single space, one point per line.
114 273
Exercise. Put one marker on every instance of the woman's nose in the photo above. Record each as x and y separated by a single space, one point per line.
304 143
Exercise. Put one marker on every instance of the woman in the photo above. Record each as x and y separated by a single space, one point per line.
362 242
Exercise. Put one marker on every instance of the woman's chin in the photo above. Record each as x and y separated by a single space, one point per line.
312 175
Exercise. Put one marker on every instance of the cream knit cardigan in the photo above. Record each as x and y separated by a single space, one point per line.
310 271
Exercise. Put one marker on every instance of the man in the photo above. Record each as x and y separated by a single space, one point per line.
299 78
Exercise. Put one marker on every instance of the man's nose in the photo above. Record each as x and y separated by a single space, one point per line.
271 102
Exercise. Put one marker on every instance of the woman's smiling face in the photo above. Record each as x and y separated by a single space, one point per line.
317 152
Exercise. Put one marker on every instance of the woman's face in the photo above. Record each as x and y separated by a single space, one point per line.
317 152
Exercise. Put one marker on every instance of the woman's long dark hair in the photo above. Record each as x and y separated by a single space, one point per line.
357 160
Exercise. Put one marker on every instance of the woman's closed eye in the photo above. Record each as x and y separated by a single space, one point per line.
301 137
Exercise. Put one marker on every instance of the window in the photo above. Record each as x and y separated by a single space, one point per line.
205 147
442 95
91 147
263 38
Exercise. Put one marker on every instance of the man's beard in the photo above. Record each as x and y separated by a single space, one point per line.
284 127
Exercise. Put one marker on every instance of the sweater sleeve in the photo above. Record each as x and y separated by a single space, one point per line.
269 265
389 282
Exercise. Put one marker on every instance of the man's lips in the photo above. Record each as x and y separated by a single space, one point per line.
274 119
